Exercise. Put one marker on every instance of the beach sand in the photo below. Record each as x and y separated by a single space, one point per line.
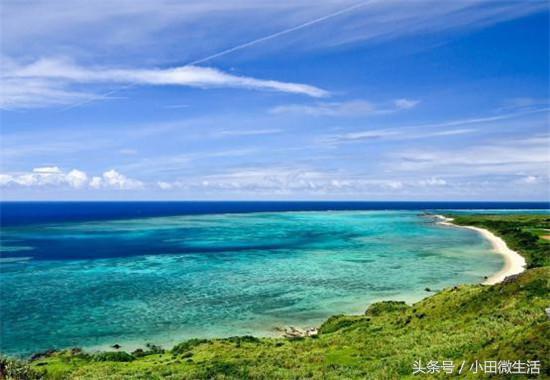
514 263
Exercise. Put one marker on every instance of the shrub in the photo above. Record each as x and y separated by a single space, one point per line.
335 323
187 345
151 350
386 307
17 370
119 356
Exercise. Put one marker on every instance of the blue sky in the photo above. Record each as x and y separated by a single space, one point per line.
374 100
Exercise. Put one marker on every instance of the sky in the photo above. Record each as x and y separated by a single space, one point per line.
274 100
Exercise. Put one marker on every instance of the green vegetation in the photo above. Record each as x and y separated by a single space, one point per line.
522 233
506 321
111 357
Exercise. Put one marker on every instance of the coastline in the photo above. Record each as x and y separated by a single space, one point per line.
358 341
499 246
514 263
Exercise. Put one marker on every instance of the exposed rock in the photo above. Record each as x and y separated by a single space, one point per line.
428 289
116 346
547 310
509 279
312 331
42 355
293 332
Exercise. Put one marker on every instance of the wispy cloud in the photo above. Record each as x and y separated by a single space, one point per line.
420 131
295 180
108 25
48 81
405 104
177 162
251 180
31 93
530 179
63 28
357 107
391 134
283 32
176 106
244 132
527 155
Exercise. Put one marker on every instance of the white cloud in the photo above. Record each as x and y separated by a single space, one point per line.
47 170
283 180
432 182
365 135
349 108
56 76
390 134
176 106
357 107
112 24
530 179
95 182
244 132
393 184
5 179
115 180
420 131
504 157
165 185
45 176
101 29
405 104
31 93
77 179
479 120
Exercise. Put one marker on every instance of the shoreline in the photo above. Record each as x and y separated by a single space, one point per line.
514 263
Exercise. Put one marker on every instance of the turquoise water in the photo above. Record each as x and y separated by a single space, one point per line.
165 279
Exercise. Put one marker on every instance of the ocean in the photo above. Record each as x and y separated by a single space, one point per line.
94 274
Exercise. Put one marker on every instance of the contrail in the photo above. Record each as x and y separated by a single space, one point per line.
94 98
278 34
236 48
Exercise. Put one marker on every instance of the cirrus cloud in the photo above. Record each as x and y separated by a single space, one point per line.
356 107
51 80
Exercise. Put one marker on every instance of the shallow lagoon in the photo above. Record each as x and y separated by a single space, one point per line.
165 279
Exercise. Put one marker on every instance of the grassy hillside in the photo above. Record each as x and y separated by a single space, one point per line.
468 322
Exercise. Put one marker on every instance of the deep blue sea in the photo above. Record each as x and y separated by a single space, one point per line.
13 213
92 274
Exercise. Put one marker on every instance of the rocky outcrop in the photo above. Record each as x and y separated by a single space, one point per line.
294 332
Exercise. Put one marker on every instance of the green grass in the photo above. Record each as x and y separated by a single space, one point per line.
522 233
468 322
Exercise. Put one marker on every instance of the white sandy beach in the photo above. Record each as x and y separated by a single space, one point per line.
514 263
